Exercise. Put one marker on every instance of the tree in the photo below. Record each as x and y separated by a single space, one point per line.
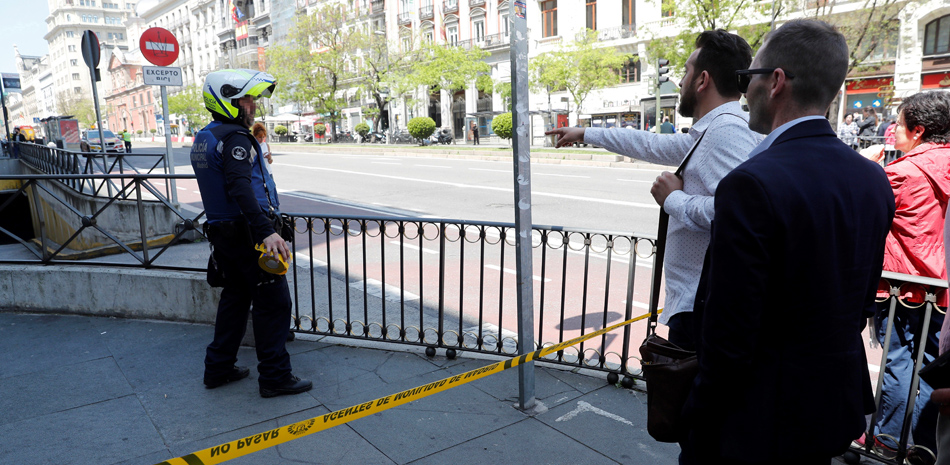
447 67
577 68
77 105
749 18
385 71
189 105
316 64
868 30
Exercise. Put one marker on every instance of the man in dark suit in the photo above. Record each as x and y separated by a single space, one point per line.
791 271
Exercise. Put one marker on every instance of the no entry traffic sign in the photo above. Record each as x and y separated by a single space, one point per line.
159 46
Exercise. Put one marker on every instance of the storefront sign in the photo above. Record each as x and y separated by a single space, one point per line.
935 81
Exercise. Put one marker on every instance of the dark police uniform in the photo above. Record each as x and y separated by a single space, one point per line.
232 181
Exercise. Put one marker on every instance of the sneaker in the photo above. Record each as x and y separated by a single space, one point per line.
293 385
235 374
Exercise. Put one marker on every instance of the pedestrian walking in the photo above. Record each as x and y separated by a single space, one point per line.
475 133
667 126
915 246
787 224
235 192
720 139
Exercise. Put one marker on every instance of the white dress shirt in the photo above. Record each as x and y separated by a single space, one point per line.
726 145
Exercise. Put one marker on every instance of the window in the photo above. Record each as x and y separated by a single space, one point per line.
630 71
937 36
592 14
72 48
70 34
549 18
505 23
480 29
73 62
667 9
75 76
129 6
111 20
629 12
135 101
77 90
87 2
453 38
427 35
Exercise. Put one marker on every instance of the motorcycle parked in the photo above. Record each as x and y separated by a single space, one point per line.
445 136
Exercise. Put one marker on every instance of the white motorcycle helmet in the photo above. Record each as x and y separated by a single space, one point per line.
223 88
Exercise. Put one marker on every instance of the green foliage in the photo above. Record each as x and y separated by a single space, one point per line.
280 130
869 31
314 77
190 106
501 125
421 127
384 72
693 17
362 129
79 106
447 67
504 90
153 130
578 68
138 131
320 128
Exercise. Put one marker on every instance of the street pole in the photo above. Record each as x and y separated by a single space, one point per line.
3 100
95 100
169 161
522 178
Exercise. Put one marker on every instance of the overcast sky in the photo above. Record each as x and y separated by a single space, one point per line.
25 26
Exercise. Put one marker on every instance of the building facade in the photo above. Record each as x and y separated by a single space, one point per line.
131 104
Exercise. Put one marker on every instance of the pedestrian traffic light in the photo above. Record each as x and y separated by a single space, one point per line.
661 69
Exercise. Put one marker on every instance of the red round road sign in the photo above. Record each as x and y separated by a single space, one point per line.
159 46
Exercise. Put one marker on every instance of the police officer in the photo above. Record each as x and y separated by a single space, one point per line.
231 178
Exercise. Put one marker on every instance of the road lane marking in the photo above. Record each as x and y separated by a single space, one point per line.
375 288
649 206
486 169
586 407
636 304
413 247
562 175
633 180
384 163
510 271
181 188
435 166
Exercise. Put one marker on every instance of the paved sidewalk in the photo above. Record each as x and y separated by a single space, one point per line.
83 390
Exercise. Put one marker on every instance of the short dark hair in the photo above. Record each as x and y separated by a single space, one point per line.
930 110
815 53
721 54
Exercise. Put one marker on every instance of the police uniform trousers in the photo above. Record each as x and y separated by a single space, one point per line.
246 284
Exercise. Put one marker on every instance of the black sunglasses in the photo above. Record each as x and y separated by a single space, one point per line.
744 76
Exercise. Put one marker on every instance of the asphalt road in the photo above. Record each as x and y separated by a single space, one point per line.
575 197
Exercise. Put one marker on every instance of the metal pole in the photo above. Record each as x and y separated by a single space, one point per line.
656 123
522 178
169 161
102 142
3 100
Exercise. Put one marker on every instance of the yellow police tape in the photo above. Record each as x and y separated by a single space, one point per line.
247 445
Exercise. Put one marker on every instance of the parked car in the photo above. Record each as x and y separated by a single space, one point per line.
90 141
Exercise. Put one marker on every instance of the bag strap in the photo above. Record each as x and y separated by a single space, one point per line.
260 155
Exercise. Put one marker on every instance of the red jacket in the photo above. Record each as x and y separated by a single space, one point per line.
921 183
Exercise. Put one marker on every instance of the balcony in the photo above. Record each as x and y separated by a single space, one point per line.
378 8
474 3
496 41
450 6
626 31
403 19
426 12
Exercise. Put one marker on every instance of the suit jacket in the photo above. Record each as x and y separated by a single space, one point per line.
789 279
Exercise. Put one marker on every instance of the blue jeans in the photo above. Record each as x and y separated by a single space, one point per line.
901 355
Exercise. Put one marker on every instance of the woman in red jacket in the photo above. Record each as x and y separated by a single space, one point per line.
915 246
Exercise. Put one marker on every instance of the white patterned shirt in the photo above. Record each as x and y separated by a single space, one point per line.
726 145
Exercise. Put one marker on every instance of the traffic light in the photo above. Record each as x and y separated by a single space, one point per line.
662 67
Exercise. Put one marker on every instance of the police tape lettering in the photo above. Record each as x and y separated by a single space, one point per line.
244 446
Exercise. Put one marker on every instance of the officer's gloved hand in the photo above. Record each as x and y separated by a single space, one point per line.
275 244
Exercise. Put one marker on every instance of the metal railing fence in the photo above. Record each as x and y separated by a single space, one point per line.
903 291
449 284
51 160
